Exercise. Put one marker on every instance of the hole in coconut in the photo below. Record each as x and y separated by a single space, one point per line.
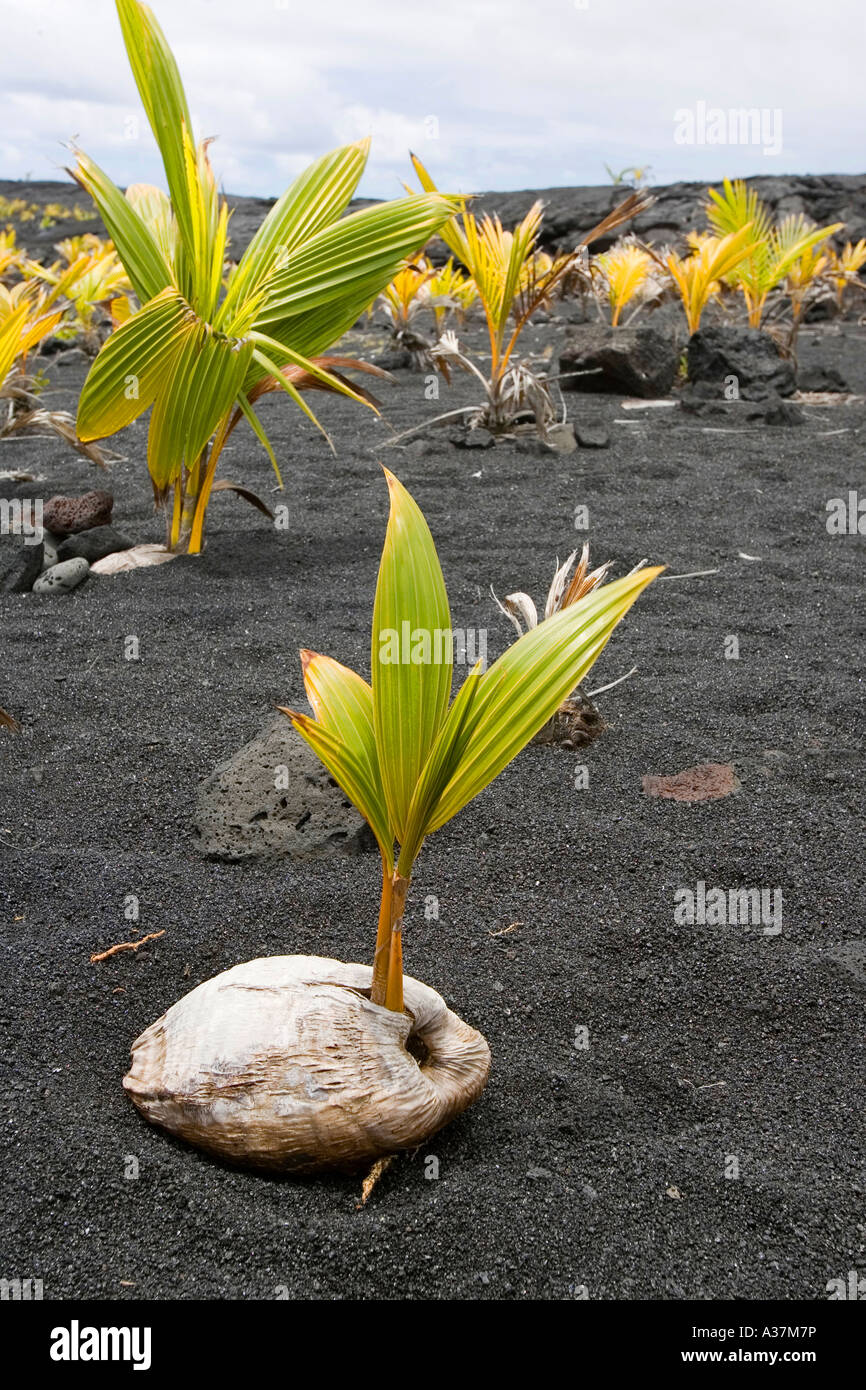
417 1048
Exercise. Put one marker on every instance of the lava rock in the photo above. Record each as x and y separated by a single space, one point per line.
52 345
561 438
771 410
93 544
394 360
20 564
50 543
66 516
722 351
273 797
592 434
775 411
638 361
62 578
479 438
821 379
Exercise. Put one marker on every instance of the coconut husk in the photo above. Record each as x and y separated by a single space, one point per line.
575 724
137 557
283 1063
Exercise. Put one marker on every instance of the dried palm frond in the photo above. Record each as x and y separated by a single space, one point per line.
522 612
577 721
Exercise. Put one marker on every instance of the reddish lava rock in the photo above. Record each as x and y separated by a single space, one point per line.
66 516
706 782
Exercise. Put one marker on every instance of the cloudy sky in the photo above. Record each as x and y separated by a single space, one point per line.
493 94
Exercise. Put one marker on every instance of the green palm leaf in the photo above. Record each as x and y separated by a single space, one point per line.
132 366
316 199
342 735
365 246
411 652
144 263
162 96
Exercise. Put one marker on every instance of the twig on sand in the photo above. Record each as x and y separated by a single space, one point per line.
503 931
693 574
600 689
379 1167
125 946
426 424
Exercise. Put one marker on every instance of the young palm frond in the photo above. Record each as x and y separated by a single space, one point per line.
624 272
404 753
774 250
698 277
11 255
24 323
845 265
89 276
451 291
198 349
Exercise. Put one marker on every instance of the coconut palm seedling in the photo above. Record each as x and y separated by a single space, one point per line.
403 301
420 288
11 254
513 280
576 721
88 277
24 323
698 276
623 274
774 250
451 292
407 756
805 283
18 209
634 175
299 1062
845 266
201 353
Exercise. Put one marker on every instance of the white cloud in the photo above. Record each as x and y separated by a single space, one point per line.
524 95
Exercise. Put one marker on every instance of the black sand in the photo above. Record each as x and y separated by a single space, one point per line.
602 1168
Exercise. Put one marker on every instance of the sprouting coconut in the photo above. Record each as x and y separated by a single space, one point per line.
296 1063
